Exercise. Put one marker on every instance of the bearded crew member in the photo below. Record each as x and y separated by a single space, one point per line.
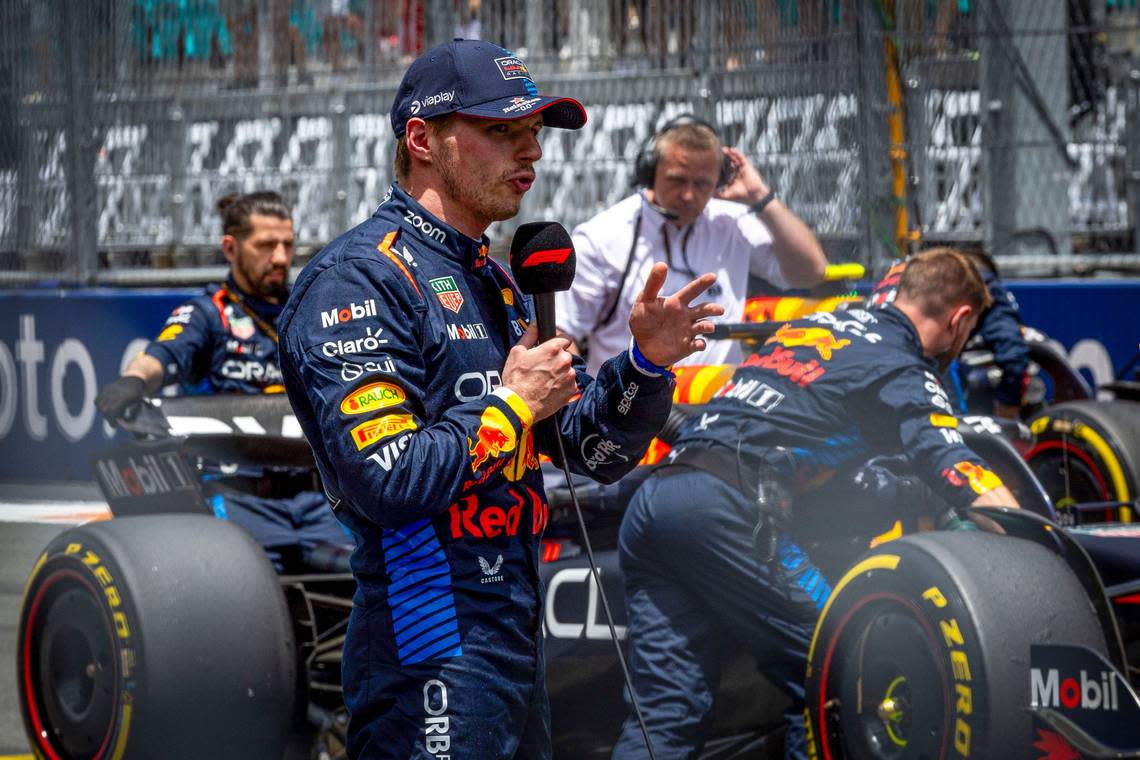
225 341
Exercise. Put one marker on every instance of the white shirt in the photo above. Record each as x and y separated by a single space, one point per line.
726 239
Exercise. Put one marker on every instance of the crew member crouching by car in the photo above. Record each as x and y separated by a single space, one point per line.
800 419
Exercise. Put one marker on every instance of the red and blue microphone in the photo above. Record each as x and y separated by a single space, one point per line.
543 262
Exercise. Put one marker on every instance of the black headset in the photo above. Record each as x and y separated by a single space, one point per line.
645 167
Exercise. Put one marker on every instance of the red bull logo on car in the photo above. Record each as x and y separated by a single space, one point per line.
372 397
495 437
819 338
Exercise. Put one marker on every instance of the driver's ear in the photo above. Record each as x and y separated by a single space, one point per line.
416 139
229 247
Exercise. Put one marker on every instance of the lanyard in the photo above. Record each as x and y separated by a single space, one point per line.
237 300
685 268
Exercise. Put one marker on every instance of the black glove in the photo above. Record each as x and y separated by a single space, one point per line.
119 396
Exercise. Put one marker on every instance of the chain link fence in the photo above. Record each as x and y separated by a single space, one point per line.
1008 124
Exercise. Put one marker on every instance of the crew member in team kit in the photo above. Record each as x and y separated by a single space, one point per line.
783 455
225 341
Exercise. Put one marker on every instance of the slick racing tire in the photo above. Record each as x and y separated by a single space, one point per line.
922 650
1087 451
155 637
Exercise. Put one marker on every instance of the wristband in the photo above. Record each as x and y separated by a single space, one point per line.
760 205
643 365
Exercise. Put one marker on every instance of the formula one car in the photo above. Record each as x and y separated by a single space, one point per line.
165 633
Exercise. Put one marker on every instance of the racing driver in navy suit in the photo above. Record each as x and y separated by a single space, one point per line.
417 376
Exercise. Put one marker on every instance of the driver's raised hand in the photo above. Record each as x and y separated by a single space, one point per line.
667 329
118 396
542 374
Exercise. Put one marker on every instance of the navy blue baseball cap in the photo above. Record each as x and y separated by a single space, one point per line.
476 78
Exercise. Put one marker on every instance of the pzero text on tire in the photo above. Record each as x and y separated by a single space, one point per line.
923 649
155 637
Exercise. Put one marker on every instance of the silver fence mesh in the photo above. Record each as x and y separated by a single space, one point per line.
1012 125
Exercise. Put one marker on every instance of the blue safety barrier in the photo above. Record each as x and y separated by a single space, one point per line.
58 347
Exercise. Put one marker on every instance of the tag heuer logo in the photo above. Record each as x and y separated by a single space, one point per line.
447 292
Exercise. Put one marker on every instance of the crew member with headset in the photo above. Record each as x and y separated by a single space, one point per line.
675 218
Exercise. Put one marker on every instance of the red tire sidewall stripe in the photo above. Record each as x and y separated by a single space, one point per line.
1077 452
908 605
26 656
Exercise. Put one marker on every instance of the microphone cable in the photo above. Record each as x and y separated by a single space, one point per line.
597 577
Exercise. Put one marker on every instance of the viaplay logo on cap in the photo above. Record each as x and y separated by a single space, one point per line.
432 100
512 67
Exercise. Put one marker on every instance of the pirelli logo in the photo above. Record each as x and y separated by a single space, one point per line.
367 433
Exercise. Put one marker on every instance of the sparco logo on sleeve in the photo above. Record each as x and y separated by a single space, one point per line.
348 313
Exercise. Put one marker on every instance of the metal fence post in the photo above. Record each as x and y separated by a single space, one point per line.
439 22
25 164
341 175
1132 147
536 24
177 158
878 216
1025 96
80 145
265 44
700 60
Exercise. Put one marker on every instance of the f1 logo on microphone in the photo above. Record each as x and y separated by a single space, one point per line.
549 256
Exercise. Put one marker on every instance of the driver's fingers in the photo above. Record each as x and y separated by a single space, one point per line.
703 326
653 285
694 288
706 310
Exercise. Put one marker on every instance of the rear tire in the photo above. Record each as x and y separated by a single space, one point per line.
1087 451
923 649
155 637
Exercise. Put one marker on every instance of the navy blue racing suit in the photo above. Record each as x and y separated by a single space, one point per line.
999 329
822 397
392 347
223 341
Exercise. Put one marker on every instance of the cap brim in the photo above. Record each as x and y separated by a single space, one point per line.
562 113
